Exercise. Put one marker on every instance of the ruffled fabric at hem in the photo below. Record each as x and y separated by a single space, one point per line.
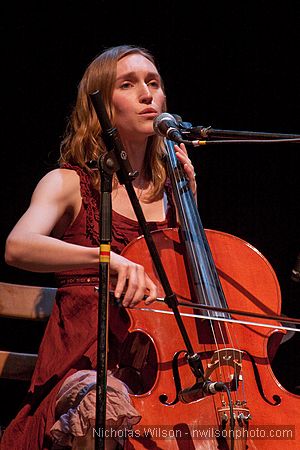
76 408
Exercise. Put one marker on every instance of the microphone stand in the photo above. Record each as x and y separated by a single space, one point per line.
115 160
107 164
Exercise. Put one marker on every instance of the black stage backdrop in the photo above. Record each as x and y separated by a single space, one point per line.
229 65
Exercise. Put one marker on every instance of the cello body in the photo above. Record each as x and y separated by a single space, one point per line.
265 414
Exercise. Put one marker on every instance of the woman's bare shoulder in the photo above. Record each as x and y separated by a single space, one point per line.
61 174
60 178
58 183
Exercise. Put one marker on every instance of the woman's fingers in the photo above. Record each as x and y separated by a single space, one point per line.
136 285
132 281
182 155
153 292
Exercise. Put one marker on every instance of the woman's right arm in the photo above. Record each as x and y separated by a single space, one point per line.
54 205
32 245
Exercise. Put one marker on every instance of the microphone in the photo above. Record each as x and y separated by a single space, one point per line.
212 387
199 390
167 126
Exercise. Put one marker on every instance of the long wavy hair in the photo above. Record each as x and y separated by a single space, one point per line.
82 141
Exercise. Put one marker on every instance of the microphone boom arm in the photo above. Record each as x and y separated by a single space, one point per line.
209 132
173 128
198 136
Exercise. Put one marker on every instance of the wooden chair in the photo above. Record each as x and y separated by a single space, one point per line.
28 303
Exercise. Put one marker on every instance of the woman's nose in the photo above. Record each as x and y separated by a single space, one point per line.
145 94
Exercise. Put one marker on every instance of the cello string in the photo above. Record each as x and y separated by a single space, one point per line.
223 369
176 166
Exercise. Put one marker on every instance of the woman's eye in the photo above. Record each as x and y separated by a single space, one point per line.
125 85
154 83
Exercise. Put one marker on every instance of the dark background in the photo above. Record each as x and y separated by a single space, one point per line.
231 65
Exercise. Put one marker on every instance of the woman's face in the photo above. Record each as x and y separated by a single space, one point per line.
137 97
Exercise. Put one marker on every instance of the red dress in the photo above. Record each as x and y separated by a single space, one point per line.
70 340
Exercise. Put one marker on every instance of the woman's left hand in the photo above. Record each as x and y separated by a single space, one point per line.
182 155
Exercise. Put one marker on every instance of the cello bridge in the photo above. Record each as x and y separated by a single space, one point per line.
231 359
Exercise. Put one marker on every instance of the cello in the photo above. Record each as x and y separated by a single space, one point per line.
243 406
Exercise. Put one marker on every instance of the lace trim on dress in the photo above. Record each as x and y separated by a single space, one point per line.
90 199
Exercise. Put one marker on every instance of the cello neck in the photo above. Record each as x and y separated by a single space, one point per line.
206 286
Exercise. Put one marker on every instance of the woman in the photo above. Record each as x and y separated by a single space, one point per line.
59 233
